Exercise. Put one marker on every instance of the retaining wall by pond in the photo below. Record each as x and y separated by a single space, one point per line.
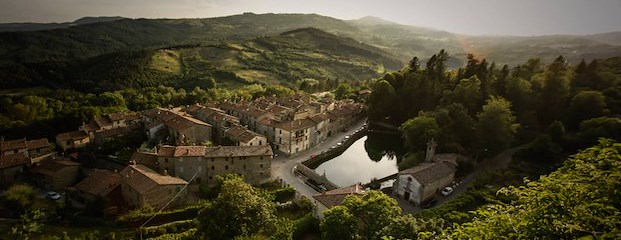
314 161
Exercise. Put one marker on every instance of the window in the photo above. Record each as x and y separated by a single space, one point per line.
260 143
261 157
210 178
261 166
200 168
180 169
226 167
280 131
180 159
213 168
250 144
244 166
166 160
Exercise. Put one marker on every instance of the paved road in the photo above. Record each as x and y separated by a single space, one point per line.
282 166
501 161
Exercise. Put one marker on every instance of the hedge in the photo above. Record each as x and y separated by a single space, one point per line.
168 228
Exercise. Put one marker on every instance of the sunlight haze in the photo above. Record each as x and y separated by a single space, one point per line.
475 17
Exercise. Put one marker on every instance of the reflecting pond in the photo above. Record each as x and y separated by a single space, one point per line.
356 165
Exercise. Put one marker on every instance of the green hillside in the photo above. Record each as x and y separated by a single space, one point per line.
281 59
236 48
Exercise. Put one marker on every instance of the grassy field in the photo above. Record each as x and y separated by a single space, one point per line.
167 61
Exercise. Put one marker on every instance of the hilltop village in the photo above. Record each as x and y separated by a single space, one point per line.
193 145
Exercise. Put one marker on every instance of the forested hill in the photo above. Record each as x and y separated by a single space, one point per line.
308 54
90 40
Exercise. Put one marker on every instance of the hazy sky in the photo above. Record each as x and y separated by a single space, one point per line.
496 17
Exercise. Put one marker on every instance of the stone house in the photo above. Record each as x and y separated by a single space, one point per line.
241 136
109 122
251 162
328 199
36 150
13 146
420 183
141 186
187 130
293 136
183 162
72 140
153 120
11 167
321 129
56 174
101 185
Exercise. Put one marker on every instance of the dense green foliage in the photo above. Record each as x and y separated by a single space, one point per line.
287 58
239 210
480 110
578 200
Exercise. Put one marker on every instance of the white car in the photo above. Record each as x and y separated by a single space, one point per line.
52 195
447 191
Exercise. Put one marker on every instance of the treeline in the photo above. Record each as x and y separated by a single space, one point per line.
481 109
578 201
53 111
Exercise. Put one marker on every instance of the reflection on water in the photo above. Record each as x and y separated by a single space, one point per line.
356 165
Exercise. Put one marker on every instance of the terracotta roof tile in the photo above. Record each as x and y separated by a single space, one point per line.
38 143
12 144
102 121
100 182
296 125
181 151
51 167
335 197
429 172
75 135
143 179
145 158
239 151
13 160
182 123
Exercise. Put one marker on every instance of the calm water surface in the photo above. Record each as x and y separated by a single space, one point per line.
354 165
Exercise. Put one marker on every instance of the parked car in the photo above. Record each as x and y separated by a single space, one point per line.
447 191
52 195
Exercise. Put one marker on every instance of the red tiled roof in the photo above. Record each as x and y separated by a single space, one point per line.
13 160
75 135
429 172
51 167
143 179
38 143
181 151
239 151
335 197
296 125
12 144
100 182
182 123
102 121
145 158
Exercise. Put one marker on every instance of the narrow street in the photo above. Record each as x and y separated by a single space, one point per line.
283 166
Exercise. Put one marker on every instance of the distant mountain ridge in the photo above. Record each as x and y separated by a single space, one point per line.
370 43
26 27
